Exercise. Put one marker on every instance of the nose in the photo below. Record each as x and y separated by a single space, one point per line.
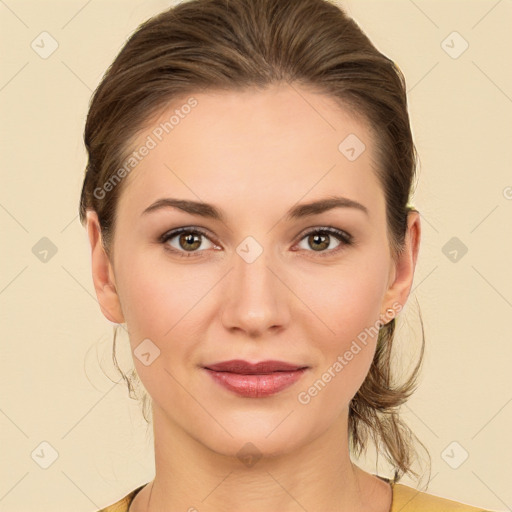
256 297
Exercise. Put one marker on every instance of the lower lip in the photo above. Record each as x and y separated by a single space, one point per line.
256 386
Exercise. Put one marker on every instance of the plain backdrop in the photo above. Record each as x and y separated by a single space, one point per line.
73 439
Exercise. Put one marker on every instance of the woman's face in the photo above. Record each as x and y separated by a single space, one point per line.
259 284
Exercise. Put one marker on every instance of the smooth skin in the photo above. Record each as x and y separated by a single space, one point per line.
254 155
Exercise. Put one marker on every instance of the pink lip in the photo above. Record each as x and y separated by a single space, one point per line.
255 380
256 386
244 367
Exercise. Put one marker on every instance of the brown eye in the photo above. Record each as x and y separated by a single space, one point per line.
319 240
188 240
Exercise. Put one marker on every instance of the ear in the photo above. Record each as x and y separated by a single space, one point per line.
402 273
102 272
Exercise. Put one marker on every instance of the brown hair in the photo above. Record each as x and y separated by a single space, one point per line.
203 45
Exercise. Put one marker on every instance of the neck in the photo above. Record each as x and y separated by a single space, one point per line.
315 476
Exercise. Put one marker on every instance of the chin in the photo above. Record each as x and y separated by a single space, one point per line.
250 445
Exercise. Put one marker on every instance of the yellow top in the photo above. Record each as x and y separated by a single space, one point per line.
405 499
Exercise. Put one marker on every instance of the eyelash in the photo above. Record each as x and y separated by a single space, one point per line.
342 236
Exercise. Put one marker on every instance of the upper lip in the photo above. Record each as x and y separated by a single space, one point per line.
246 368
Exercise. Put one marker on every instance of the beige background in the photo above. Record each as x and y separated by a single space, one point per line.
54 334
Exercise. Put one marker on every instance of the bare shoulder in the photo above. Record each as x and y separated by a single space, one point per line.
408 499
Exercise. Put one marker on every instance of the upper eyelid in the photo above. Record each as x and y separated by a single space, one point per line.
328 229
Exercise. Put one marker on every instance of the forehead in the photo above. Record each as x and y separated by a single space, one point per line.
248 148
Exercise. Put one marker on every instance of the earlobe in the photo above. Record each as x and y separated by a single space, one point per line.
399 289
102 272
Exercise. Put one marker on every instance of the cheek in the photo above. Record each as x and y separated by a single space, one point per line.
164 301
158 301
344 301
156 292
347 305
143 300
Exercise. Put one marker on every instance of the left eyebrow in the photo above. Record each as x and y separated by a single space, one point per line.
296 212
323 205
